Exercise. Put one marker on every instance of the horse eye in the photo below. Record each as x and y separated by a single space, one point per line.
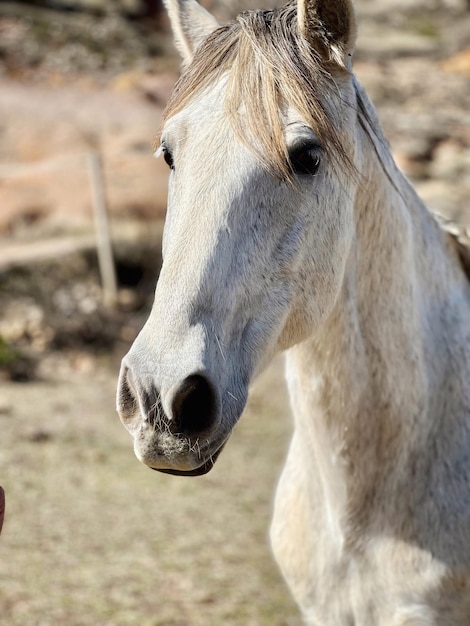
168 157
304 161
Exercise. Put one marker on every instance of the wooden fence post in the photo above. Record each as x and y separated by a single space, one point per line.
103 236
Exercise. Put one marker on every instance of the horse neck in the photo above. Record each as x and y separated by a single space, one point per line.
362 385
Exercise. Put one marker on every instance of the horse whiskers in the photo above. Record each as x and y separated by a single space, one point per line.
157 418
194 447
220 347
159 423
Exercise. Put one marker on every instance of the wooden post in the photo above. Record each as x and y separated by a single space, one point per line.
103 237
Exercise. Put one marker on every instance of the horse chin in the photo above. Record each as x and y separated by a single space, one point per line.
198 471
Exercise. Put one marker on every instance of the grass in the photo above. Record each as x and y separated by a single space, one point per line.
14 364
424 25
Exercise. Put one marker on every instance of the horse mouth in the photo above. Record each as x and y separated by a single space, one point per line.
198 471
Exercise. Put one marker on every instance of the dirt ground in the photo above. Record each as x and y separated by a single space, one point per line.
92 537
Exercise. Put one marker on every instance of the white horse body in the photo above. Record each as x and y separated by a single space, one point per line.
371 522
353 276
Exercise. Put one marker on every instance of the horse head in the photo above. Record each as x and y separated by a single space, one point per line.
260 140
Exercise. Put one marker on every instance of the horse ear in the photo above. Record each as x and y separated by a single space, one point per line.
191 24
336 21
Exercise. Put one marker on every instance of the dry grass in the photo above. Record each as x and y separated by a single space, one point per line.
92 537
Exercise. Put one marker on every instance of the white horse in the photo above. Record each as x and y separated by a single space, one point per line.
289 227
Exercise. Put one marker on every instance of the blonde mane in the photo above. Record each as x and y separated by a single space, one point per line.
269 64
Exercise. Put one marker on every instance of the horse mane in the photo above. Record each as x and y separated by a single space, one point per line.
459 235
277 66
460 238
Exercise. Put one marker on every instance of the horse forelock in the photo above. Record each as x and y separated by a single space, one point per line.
269 66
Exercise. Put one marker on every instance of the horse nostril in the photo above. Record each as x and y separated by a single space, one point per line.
126 400
138 404
194 406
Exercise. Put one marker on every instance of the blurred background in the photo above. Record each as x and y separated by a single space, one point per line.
92 537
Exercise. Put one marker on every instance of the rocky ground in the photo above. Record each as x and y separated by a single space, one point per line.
90 536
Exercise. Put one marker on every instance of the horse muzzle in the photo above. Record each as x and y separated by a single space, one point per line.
177 433
199 471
